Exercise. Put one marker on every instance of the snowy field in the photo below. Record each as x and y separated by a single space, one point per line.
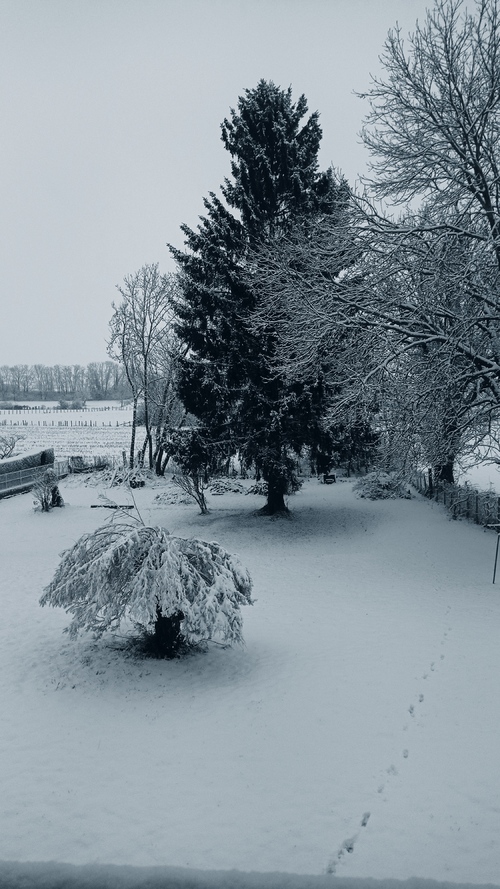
101 429
356 733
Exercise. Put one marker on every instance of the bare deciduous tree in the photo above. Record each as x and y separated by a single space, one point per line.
141 329
8 444
434 127
420 291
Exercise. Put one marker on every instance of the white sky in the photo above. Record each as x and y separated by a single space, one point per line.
110 136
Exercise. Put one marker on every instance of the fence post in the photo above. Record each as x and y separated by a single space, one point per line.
431 491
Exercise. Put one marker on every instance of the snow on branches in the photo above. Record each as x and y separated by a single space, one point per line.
124 570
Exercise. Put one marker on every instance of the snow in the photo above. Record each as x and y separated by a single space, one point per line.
355 733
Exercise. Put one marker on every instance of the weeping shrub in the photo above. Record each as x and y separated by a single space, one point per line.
180 591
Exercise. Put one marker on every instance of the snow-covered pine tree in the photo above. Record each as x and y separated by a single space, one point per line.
228 378
179 590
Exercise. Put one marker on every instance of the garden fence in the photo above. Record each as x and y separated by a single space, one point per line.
22 479
462 501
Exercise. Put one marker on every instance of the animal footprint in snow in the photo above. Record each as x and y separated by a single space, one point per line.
392 770
420 698
432 666
411 710
364 820
405 754
347 846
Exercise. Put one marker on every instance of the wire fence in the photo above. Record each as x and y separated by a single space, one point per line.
21 479
462 501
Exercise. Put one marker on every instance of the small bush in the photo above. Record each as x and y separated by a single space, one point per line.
194 487
171 497
381 485
226 486
259 488
46 492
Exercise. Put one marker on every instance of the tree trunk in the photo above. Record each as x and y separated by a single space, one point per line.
444 472
160 431
134 427
167 635
148 443
276 490
159 462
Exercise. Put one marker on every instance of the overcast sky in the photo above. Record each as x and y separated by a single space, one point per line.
110 136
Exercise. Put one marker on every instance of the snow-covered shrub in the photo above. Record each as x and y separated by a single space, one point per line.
259 488
137 477
46 492
226 486
381 485
105 476
171 497
178 590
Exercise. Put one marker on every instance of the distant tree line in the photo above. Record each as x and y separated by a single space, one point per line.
97 380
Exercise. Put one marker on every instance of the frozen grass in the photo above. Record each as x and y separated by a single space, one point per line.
355 734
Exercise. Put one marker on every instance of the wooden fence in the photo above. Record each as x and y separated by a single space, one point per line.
462 501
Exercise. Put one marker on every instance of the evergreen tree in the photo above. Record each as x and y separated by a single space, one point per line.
228 378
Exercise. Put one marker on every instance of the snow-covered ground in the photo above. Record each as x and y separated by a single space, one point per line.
356 733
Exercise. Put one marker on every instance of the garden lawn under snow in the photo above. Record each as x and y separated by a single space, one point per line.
356 733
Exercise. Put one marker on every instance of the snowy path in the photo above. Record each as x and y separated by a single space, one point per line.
357 731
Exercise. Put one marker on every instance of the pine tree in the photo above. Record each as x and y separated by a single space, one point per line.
228 379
